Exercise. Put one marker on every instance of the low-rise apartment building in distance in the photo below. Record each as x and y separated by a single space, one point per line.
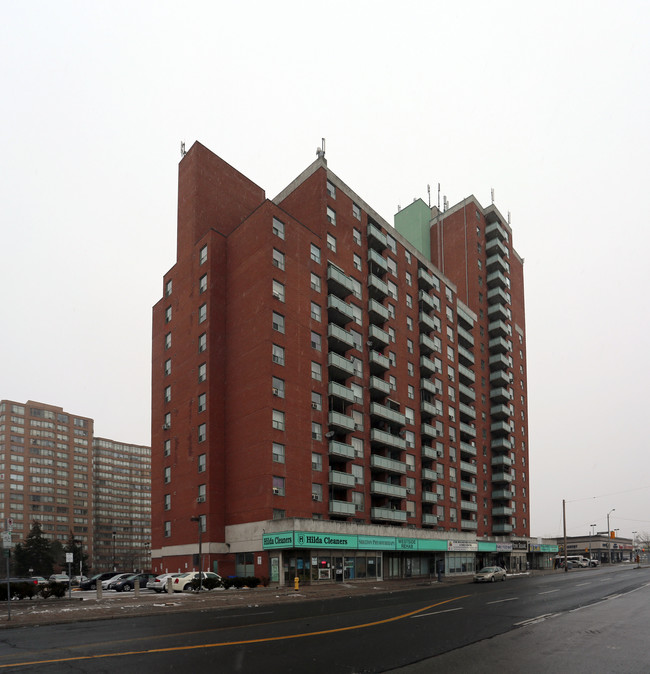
333 397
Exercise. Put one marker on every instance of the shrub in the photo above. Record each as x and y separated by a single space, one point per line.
58 589
238 582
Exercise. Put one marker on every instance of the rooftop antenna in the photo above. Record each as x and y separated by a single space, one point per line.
492 193
438 196
183 153
445 203
320 151
429 193
508 217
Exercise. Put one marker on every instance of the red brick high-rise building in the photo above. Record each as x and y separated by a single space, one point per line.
333 398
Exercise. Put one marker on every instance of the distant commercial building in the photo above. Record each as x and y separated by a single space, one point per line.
600 547
54 471
334 397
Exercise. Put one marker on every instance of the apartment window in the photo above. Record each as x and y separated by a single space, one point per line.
357 339
356 234
168 529
314 253
411 369
168 288
358 420
409 279
203 372
278 420
409 437
392 382
201 493
407 255
168 367
331 216
316 401
357 314
315 311
409 345
316 371
452 474
168 421
168 340
392 244
315 282
316 492
203 313
356 212
410 415
203 255
167 446
410 462
356 261
411 392
278 486
168 314
201 463
316 431
450 354
409 323
203 342
409 301
277 353
391 334
202 402
278 322
167 475
357 443
278 259
278 452
331 243
315 341
278 228
391 310
331 190
316 461
357 364
203 283
168 502
392 358
356 288
278 290
278 387
357 391
392 266
168 394
202 432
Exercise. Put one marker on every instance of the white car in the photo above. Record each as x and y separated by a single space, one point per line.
107 583
183 581
159 583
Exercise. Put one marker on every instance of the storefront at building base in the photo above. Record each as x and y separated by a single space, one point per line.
330 557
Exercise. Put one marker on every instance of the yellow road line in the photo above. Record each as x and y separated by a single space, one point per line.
231 643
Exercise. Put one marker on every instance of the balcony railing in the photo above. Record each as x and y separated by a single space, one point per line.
342 508
338 311
427 280
384 463
388 514
377 288
376 238
376 263
341 450
386 489
428 518
339 282
341 479
377 312
390 415
383 438
339 339
340 422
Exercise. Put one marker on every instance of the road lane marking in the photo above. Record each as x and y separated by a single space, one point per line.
286 637
581 584
548 592
537 619
500 601
449 610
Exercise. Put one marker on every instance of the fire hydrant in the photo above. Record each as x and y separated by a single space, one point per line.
296 584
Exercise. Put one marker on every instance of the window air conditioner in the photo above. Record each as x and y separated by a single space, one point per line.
276 391
314 497
200 499
276 490
314 406
165 427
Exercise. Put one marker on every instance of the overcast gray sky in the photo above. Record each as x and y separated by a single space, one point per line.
547 103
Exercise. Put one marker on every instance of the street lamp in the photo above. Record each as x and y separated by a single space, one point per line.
609 538
634 533
198 521
591 533
114 567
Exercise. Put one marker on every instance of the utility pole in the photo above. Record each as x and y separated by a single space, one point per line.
566 566
609 538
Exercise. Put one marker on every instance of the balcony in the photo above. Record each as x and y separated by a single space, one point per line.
388 514
499 345
342 508
386 489
500 395
429 497
496 231
468 430
466 393
465 337
426 280
499 329
429 302
501 528
494 246
339 367
378 362
429 409
466 375
499 378
378 387
468 525
379 338
428 345
340 479
429 475
429 453
496 263
503 461
428 324
340 392
501 444
501 494
465 319
376 238
500 362
341 451
465 356
427 366
501 477
498 311
377 313
466 411
340 422
381 438
497 280
498 295
383 412
376 263
500 428
377 289
429 386
389 465
467 448
468 487
467 467
500 412
469 506
338 311
428 431
429 519
338 282
339 339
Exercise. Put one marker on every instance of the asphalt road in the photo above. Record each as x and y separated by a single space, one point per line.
416 630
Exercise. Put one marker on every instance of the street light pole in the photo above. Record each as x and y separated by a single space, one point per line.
634 533
114 568
198 521
591 533
609 538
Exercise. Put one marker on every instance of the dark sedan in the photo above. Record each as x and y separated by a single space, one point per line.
127 584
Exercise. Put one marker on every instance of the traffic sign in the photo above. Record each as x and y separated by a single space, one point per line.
6 539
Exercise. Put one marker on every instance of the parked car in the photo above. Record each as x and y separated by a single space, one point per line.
490 574
183 581
59 578
77 580
91 583
39 580
106 584
127 584
159 583
594 562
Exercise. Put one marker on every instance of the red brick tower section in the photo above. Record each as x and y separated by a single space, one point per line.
473 247
189 364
